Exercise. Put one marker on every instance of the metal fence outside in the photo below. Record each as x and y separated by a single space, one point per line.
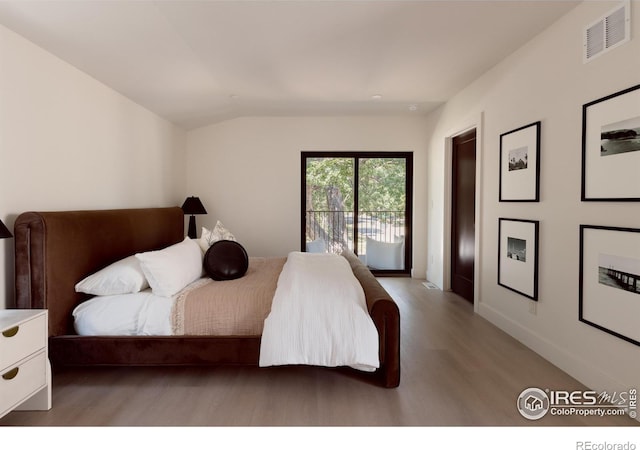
336 229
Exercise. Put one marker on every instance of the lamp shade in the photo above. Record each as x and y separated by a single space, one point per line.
4 231
193 205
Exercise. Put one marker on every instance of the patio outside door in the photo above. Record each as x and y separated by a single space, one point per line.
360 202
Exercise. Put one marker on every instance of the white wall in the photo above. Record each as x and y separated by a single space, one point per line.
247 172
69 142
546 80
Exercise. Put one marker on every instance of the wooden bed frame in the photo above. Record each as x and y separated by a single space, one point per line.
54 250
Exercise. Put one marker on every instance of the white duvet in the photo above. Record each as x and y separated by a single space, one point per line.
319 316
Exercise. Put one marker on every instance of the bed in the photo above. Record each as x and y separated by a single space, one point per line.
54 250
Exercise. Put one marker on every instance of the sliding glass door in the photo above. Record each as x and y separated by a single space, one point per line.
360 202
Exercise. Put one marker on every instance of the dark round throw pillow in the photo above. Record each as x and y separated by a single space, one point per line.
226 260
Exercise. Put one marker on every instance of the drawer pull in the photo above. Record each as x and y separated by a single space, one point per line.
10 375
11 332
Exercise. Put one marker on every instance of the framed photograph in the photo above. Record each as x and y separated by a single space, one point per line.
611 147
518 256
609 297
520 164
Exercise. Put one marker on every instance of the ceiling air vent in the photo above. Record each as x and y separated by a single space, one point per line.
608 32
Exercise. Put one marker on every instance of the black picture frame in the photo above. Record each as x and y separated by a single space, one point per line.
606 300
610 153
520 164
518 256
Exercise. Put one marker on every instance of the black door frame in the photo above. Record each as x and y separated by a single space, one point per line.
408 240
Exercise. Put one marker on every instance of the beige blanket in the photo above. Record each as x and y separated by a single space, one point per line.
229 308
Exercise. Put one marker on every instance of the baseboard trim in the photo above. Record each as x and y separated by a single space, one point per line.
581 370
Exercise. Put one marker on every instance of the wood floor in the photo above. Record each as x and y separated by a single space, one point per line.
457 370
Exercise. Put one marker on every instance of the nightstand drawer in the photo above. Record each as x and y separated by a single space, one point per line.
18 382
22 340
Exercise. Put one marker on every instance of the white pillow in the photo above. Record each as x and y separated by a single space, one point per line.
317 246
171 269
385 255
121 277
219 233
136 314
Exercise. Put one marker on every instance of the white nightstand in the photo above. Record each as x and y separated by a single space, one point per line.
25 372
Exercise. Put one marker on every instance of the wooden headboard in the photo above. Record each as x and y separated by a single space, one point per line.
55 250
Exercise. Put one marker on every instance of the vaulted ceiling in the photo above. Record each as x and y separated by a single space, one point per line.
200 62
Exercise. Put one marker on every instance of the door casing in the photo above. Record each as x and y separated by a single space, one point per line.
477 123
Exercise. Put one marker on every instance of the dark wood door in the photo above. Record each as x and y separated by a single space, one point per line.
463 214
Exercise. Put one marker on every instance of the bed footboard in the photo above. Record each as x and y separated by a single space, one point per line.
386 316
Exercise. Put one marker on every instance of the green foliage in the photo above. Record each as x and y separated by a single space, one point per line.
381 186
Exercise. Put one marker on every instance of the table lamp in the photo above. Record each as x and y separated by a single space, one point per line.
4 231
192 206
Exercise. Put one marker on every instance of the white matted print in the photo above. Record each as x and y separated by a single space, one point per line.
611 147
610 280
519 164
518 256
